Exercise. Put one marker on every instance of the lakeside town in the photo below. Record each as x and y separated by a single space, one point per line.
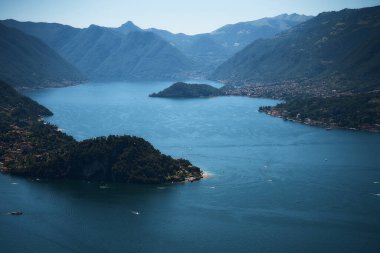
284 90
317 105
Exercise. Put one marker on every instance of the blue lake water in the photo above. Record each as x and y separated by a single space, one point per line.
274 186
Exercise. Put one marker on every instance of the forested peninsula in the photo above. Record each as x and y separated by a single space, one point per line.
31 147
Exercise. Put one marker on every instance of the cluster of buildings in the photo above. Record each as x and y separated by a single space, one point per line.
281 90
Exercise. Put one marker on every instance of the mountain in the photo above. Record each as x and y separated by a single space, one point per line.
53 34
32 148
136 56
237 36
336 47
211 49
124 53
110 54
128 27
17 105
27 62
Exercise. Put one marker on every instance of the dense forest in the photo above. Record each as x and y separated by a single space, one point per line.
185 90
31 147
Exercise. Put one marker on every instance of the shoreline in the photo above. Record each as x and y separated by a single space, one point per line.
193 178
205 174
22 89
318 124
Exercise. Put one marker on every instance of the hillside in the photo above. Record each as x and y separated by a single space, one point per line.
53 34
239 35
341 48
163 55
185 90
359 112
26 62
30 147
211 49
124 53
139 56
15 106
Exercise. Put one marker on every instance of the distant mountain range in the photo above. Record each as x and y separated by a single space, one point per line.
336 47
131 53
209 50
111 54
27 62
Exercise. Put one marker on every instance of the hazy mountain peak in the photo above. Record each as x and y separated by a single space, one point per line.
339 47
293 17
279 23
129 24
92 26
128 27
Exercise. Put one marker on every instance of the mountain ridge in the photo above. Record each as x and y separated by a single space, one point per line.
336 47
27 62
89 48
326 70
191 55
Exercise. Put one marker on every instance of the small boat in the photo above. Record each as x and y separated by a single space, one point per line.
16 213
135 212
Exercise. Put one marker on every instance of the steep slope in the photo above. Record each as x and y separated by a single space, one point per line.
237 36
338 47
16 105
143 55
90 48
111 53
127 27
53 34
206 52
182 56
26 62
211 49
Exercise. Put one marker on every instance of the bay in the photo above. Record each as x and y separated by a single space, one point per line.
274 186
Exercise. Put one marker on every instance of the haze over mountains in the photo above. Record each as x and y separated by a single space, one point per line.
131 53
211 49
337 47
27 62
106 54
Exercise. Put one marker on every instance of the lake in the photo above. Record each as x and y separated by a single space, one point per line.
274 186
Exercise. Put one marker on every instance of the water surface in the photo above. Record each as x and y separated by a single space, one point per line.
275 186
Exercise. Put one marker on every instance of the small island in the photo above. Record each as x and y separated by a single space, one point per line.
185 90
31 147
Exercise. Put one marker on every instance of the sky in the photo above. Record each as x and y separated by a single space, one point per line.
190 17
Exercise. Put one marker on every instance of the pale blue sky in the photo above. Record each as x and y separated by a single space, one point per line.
194 16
